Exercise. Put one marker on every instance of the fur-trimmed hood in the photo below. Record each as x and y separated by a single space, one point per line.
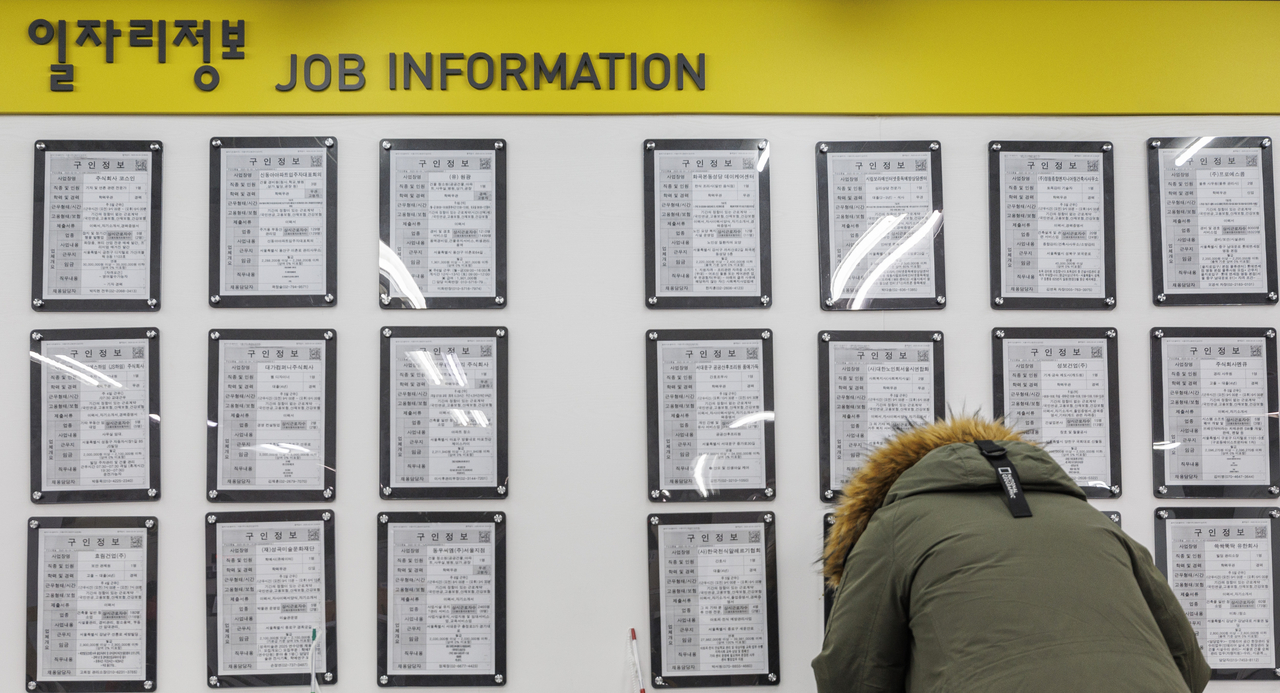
960 467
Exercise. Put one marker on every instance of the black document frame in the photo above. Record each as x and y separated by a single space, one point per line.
42 494
386 486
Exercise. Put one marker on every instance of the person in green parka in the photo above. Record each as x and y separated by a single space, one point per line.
940 588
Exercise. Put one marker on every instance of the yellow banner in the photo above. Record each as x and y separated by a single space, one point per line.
640 56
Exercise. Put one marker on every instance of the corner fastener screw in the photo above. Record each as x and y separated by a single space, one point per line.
328 334
151 334
1158 334
497 678
326 516
1111 334
213 493
826 336
498 517
328 298
31 685
934 146
216 143
998 300
766 334
499 144
155 146
1111 300
762 144
995 146
386 144
1106 146
213 680
36 495
1274 513
1266 142
386 490
829 301
37 302
768 517
764 300
1115 490
328 141
215 299
152 493
40 146
1273 490
653 520
941 300
1271 296
383 518
151 302
1160 298
937 336
149 524
34 524
328 676
386 332
773 677
1155 144
1163 514
652 300
1162 490
499 300
650 145
328 493
768 492
502 490
653 335
828 494
999 334
1271 334
37 336
823 147
657 681
147 685
501 332
211 519
386 299
383 679
653 493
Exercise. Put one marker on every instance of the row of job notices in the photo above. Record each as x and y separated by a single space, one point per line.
880 216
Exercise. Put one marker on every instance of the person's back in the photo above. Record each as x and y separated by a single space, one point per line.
946 591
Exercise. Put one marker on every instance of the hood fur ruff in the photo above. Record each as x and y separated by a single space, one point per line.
866 491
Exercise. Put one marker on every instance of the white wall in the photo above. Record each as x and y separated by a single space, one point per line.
577 574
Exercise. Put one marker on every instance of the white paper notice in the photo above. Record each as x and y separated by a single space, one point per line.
274 221
441 582
710 425
1052 225
95 429
271 594
1211 221
1215 411
1057 389
714 600
97 225
271 422
878 204
92 616
445 410
708 223
444 221
1223 574
874 386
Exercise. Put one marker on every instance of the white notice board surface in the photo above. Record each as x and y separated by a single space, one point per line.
577 398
